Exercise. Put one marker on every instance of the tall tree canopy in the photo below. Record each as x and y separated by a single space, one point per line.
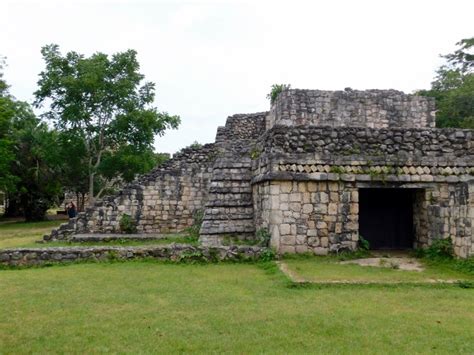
30 162
101 105
7 113
453 87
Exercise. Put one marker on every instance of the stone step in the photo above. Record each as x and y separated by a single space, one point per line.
243 189
228 213
234 226
230 196
229 203
231 175
232 162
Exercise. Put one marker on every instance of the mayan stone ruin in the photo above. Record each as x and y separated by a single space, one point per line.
318 170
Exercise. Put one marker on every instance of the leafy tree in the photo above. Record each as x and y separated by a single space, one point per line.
101 101
36 165
453 87
7 113
276 90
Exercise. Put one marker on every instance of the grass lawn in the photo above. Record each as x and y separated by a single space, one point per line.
15 234
18 234
155 307
238 308
321 269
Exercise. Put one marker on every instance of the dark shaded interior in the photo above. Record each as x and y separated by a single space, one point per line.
386 217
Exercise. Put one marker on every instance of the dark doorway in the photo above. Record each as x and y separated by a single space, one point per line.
386 217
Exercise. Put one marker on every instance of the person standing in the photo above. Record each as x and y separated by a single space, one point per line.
71 210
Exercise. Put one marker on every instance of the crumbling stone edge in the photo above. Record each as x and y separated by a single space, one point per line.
25 257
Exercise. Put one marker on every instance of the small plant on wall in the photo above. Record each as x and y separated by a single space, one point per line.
263 237
193 230
276 90
127 224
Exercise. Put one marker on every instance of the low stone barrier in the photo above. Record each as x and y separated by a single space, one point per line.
99 238
172 252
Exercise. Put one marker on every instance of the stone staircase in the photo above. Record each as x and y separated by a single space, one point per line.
229 214
229 210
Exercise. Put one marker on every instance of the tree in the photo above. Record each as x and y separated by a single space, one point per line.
100 101
7 113
37 165
453 87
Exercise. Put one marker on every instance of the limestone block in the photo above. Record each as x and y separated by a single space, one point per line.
321 251
311 232
295 197
332 209
286 186
286 249
301 249
301 239
307 208
285 229
321 225
288 239
323 197
324 242
295 207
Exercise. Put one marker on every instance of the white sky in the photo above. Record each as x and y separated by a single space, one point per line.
212 59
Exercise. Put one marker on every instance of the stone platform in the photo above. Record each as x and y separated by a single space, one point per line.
171 252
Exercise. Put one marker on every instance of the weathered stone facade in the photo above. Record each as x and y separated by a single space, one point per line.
298 170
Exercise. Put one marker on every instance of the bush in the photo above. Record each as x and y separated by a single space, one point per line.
363 243
441 248
263 237
267 255
193 231
276 90
127 224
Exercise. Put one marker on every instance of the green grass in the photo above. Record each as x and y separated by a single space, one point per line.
14 234
321 269
149 307
18 234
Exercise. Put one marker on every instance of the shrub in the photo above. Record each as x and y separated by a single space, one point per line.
263 237
267 255
127 224
194 229
441 248
363 243
276 90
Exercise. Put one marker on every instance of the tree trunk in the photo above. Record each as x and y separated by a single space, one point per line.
91 190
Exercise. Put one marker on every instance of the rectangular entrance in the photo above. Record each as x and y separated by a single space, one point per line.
386 217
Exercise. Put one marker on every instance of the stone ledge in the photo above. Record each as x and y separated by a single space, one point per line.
302 176
100 237
172 252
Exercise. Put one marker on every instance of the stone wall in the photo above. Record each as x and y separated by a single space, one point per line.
308 216
173 252
370 108
445 211
346 144
321 168
322 217
161 201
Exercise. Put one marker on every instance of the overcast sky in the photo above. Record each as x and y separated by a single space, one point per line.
212 59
